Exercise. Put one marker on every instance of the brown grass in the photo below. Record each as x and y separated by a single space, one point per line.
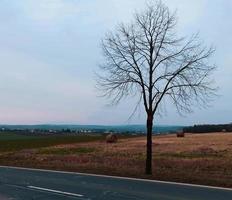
197 158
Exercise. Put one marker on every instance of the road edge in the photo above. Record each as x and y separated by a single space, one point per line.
118 177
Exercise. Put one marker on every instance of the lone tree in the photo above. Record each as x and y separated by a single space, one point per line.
147 58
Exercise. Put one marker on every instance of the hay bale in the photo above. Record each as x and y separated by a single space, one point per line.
111 138
180 134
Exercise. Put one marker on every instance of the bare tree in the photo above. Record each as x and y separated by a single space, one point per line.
147 58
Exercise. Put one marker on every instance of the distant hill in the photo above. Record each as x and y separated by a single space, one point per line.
96 128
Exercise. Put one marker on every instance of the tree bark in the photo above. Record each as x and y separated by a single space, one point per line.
149 145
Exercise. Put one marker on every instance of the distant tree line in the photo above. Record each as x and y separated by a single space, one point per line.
206 128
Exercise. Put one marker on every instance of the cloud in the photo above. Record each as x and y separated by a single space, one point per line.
47 11
50 48
40 92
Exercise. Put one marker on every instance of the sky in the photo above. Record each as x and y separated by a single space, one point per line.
50 49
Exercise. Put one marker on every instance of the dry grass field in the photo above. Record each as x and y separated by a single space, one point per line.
197 158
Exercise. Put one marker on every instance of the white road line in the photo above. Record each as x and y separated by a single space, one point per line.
119 177
55 191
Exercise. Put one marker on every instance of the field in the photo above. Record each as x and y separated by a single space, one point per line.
197 158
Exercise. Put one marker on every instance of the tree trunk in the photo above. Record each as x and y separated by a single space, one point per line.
149 145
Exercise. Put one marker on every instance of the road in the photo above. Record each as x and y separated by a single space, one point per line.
28 184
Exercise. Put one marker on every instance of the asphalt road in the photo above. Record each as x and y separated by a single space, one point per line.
23 184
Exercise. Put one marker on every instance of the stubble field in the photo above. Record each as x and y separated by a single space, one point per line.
197 158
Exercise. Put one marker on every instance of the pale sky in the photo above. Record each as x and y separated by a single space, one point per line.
49 50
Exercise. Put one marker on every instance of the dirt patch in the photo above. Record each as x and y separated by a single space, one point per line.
67 150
